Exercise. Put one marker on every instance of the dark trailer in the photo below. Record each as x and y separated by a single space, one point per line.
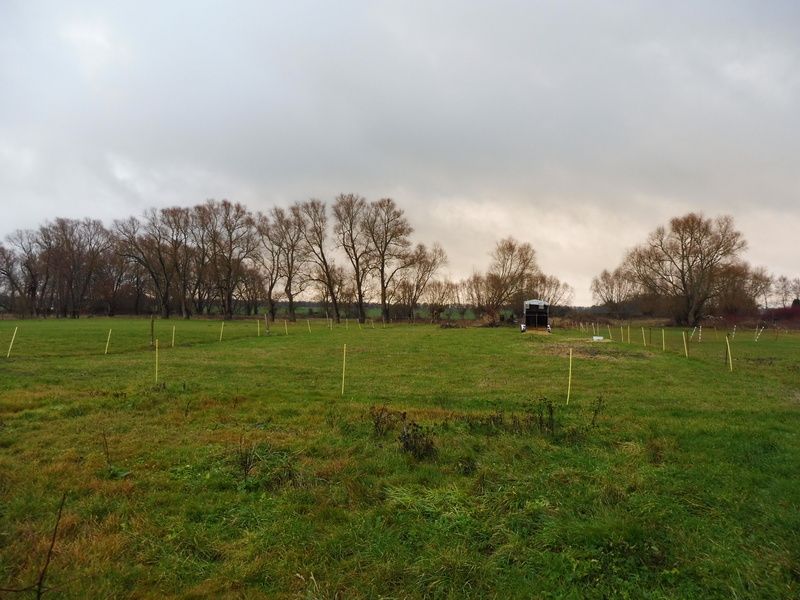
536 313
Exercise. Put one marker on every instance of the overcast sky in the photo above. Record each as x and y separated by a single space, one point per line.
576 126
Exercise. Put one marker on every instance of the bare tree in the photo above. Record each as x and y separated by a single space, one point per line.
202 289
474 293
139 279
350 211
613 289
765 283
233 243
292 253
69 254
177 224
513 265
759 283
314 215
796 288
438 295
346 292
783 290
422 266
551 289
683 263
269 259
9 278
113 274
34 271
146 244
388 230
86 245
462 296
740 289
250 288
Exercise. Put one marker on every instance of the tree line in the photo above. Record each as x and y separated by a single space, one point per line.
689 270
218 257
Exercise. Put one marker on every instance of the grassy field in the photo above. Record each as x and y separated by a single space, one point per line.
246 473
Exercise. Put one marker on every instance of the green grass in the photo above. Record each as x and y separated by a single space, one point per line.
685 487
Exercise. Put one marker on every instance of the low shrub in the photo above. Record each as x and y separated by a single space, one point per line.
384 419
417 441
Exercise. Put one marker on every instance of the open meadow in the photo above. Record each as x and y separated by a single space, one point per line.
450 467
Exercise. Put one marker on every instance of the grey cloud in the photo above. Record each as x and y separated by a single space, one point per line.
578 126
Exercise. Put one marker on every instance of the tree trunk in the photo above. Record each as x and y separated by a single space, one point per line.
335 303
184 307
227 302
362 315
290 298
384 305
